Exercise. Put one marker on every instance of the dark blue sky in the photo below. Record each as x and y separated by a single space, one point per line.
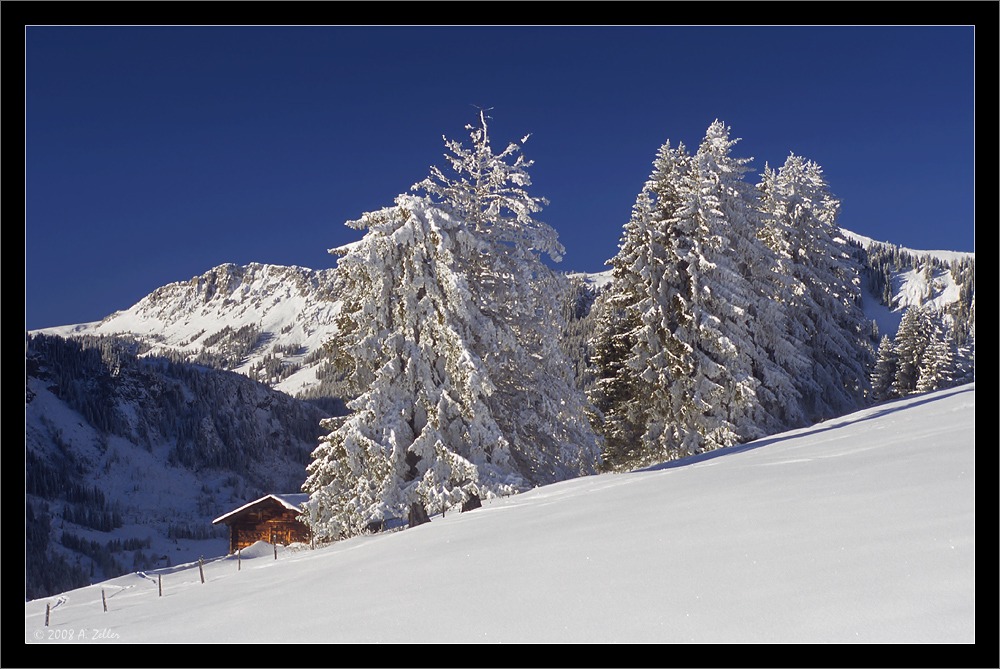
153 154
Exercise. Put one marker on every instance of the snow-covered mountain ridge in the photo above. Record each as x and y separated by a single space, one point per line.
857 529
941 255
255 312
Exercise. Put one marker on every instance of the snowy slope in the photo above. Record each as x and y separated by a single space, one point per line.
910 286
859 529
152 494
598 281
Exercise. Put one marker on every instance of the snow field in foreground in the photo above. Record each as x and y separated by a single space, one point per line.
858 529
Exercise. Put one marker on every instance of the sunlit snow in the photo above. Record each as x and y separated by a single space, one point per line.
858 529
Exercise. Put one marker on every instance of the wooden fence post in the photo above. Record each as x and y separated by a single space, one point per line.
159 583
104 601
201 569
46 615
239 559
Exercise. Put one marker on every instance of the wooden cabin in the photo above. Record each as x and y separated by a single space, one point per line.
272 518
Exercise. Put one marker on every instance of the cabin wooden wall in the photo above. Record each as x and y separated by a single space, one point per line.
270 525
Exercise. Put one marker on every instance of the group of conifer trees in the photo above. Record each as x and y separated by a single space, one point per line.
734 312
933 348
924 355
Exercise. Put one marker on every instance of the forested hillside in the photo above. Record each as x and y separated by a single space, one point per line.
128 459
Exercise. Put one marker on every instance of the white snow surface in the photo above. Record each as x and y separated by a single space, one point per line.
858 529
598 281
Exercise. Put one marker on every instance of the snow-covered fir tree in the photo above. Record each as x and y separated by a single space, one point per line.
912 339
637 359
697 301
937 368
619 393
536 404
824 305
419 430
884 375
741 386
450 331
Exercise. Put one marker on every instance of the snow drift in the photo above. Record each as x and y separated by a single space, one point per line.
858 529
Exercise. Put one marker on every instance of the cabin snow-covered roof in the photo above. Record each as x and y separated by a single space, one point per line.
291 501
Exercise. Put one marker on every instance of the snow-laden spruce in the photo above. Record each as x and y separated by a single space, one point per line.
449 332
691 277
721 325
825 304
735 327
536 403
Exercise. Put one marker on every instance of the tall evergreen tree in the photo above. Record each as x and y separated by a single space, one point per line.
731 281
419 430
912 339
461 391
619 393
825 304
937 368
885 371
637 357
537 404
